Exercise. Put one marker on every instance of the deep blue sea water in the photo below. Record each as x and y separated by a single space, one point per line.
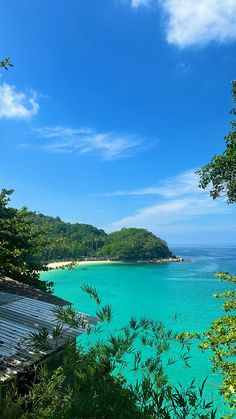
160 291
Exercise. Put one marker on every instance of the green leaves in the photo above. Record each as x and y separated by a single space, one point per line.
6 63
21 245
221 338
220 173
67 241
91 291
92 383
105 313
39 340
45 341
135 244
69 316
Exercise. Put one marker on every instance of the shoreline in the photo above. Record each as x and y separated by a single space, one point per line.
71 264
62 265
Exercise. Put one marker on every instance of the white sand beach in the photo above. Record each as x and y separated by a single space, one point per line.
58 265
61 265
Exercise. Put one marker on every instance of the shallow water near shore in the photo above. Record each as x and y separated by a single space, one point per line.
159 291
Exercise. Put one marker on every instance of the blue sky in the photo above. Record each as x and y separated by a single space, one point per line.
111 106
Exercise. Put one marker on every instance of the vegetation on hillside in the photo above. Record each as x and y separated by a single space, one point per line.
135 244
21 245
75 241
28 241
66 241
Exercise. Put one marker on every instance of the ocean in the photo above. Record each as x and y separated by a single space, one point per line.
179 294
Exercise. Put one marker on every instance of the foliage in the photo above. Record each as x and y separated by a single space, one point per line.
221 338
21 244
76 241
42 341
220 173
6 63
66 240
135 244
92 292
70 316
92 383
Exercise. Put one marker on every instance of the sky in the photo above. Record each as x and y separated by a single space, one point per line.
110 108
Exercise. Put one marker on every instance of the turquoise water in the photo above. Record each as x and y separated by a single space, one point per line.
159 292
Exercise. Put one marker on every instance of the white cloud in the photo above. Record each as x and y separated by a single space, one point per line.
15 104
180 201
107 145
55 132
170 212
191 22
179 185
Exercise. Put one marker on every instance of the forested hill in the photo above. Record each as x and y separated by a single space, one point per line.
28 241
66 241
135 244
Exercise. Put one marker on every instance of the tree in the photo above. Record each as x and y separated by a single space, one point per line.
221 338
220 172
67 241
21 244
135 244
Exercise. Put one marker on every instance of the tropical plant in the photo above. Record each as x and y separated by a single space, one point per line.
67 241
21 244
221 339
112 374
220 173
6 63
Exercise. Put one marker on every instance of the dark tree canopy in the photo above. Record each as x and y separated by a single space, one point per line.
66 241
28 241
220 173
21 244
71 241
133 244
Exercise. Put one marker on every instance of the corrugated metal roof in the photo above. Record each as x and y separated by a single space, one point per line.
21 316
14 287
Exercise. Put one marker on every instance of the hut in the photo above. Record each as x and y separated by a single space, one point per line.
24 312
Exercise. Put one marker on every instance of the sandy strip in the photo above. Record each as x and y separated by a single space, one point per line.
61 265
58 265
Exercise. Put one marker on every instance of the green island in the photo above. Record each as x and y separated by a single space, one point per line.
75 241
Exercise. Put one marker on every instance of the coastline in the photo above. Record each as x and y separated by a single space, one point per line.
62 265
70 264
